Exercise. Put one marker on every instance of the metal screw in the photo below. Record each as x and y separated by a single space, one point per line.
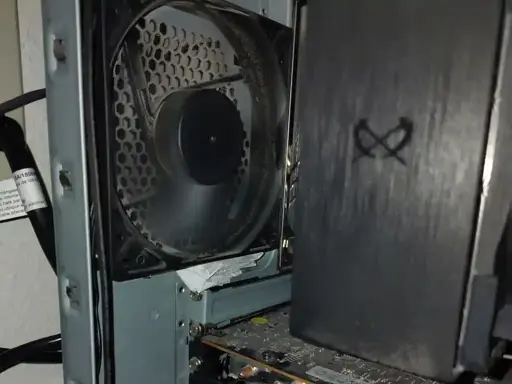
194 364
195 296
196 330
181 289
59 49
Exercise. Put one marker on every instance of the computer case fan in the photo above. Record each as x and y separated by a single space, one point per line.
196 133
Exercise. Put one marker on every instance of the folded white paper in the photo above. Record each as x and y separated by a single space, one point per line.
217 273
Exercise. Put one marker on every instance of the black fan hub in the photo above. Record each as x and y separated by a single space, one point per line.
199 135
210 137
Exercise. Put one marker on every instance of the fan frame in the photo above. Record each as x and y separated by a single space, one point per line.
132 255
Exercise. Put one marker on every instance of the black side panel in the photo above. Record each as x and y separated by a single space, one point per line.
394 105
475 351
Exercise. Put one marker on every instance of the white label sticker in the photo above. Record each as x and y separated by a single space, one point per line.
11 206
332 377
30 190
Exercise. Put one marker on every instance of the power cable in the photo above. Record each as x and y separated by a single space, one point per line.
24 352
22 100
12 142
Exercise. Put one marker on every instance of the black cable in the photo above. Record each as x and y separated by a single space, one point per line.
19 156
20 354
43 356
96 300
22 100
97 93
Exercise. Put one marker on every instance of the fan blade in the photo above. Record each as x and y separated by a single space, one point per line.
195 209
216 82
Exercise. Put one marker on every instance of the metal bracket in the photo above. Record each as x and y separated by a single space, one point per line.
62 40
221 306
151 330
280 11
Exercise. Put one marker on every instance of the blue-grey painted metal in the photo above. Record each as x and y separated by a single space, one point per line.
280 11
218 307
151 331
151 315
71 205
267 266
152 318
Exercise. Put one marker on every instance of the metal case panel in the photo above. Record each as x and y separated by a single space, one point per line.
491 251
151 322
66 129
280 11
393 131
230 304
151 328
153 316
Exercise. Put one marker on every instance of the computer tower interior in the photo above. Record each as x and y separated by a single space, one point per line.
291 191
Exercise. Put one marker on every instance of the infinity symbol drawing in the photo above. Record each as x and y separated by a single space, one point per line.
404 128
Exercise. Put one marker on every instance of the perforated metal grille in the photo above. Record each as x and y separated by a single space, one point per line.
173 57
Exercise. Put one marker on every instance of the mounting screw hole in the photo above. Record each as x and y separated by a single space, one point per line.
59 49
65 180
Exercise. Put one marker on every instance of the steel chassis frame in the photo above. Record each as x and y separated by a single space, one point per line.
152 316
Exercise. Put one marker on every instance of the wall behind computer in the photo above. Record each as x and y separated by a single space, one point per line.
28 288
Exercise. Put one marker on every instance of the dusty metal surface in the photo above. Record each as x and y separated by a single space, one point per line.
177 50
390 177
266 341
